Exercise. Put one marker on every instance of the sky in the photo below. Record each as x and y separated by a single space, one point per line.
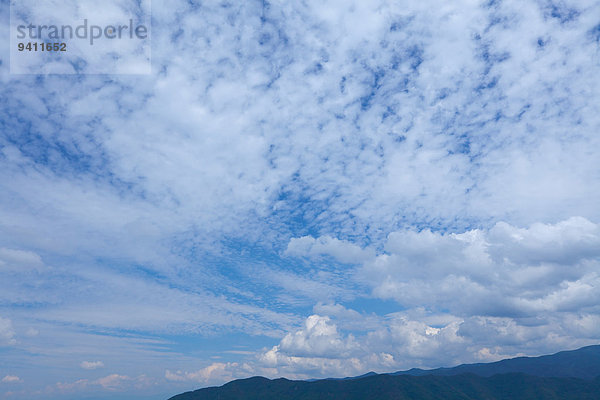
302 189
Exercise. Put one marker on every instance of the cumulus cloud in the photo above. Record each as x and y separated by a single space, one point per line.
318 337
91 364
566 242
512 288
404 340
504 271
319 349
345 318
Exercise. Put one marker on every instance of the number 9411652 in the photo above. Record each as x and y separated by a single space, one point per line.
42 46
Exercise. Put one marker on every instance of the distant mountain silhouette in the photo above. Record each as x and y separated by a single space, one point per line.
583 363
567 375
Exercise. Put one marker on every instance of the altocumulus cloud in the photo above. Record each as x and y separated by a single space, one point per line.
332 186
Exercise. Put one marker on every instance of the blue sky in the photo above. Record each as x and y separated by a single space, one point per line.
302 189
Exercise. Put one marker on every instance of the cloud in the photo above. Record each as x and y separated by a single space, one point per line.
504 271
213 373
20 261
115 304
566 242
482 294
317 338
343 251
113 382
417 338
110 383
11 379
32 332
72 386
320 349
7 333
441 152
305 287
91 364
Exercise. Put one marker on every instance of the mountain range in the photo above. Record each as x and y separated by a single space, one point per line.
565 375
583 363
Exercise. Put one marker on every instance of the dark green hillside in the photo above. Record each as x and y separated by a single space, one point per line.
405 387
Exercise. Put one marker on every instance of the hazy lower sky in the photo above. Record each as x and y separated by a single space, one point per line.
302 189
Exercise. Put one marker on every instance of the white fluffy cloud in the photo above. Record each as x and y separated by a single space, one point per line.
319 349
506 271
566 242
318 338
